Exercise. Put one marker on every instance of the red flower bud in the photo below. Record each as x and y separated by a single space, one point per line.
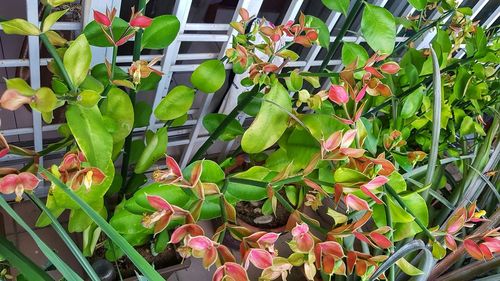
101 18
141 21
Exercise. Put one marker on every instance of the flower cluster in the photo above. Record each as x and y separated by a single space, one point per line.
105 21
74 171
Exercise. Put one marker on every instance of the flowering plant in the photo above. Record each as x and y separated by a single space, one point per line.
360 166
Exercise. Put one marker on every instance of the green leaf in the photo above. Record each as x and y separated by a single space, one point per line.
341 6
142 112
142 265
211 171
155 149
322 29
467 126
61 266
418 4
100 73
349 177
175 104
173 194
397 182
249 192
252 108
412 103
45 100
408 268
51 19
378 28
19 27
20 86
161 32
271 121
87 126
209 76
212 120
21 262
118 108
96 37
77 60
352 51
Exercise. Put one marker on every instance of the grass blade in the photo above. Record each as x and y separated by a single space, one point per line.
61 266
436 122
65 237
403 251
142 265
21 262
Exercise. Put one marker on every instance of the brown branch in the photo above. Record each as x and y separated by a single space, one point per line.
472 270
451 259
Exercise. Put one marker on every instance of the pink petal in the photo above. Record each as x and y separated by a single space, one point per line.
210 257
331 248
361 94
268 239
101 18
373 71
235 271
12 100
305 242
373 196
352 152
376 182
473 249
28 180
218 274
162 223
300 229
333 141
141 21
159 203
380 240
260 258
493 243
196 172
183 230
173 166
199 243
487 254
348 138
354 202
450 242
390 67
314 186
338 94
9 183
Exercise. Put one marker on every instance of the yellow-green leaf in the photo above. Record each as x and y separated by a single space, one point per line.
408 268
20 86
77 59
51 19
378 28
209 76
19 27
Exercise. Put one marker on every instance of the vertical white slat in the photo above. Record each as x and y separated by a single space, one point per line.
181 11
99 53
290 15
34 65
494 16
253 7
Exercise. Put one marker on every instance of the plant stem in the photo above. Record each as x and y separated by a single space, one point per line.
225 122
53 52
338 39
113 63
136 55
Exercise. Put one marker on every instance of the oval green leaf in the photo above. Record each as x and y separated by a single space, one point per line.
352 51
175 104
161 32
118 107
209 76
96 37
379 29
212 120
155 149
412 103
271 121
77 60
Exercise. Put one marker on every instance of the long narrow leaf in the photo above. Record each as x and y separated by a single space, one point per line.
403 251
65 237
21 262
421 170
487 181
61 266
142 265
436 121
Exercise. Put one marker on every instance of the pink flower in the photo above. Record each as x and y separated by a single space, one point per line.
230 271
260 258
12 100
354 202
102 18
202 247
303 238
327 254
18 184
390 67
184 230
338 95
164 214
140 21
87 177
